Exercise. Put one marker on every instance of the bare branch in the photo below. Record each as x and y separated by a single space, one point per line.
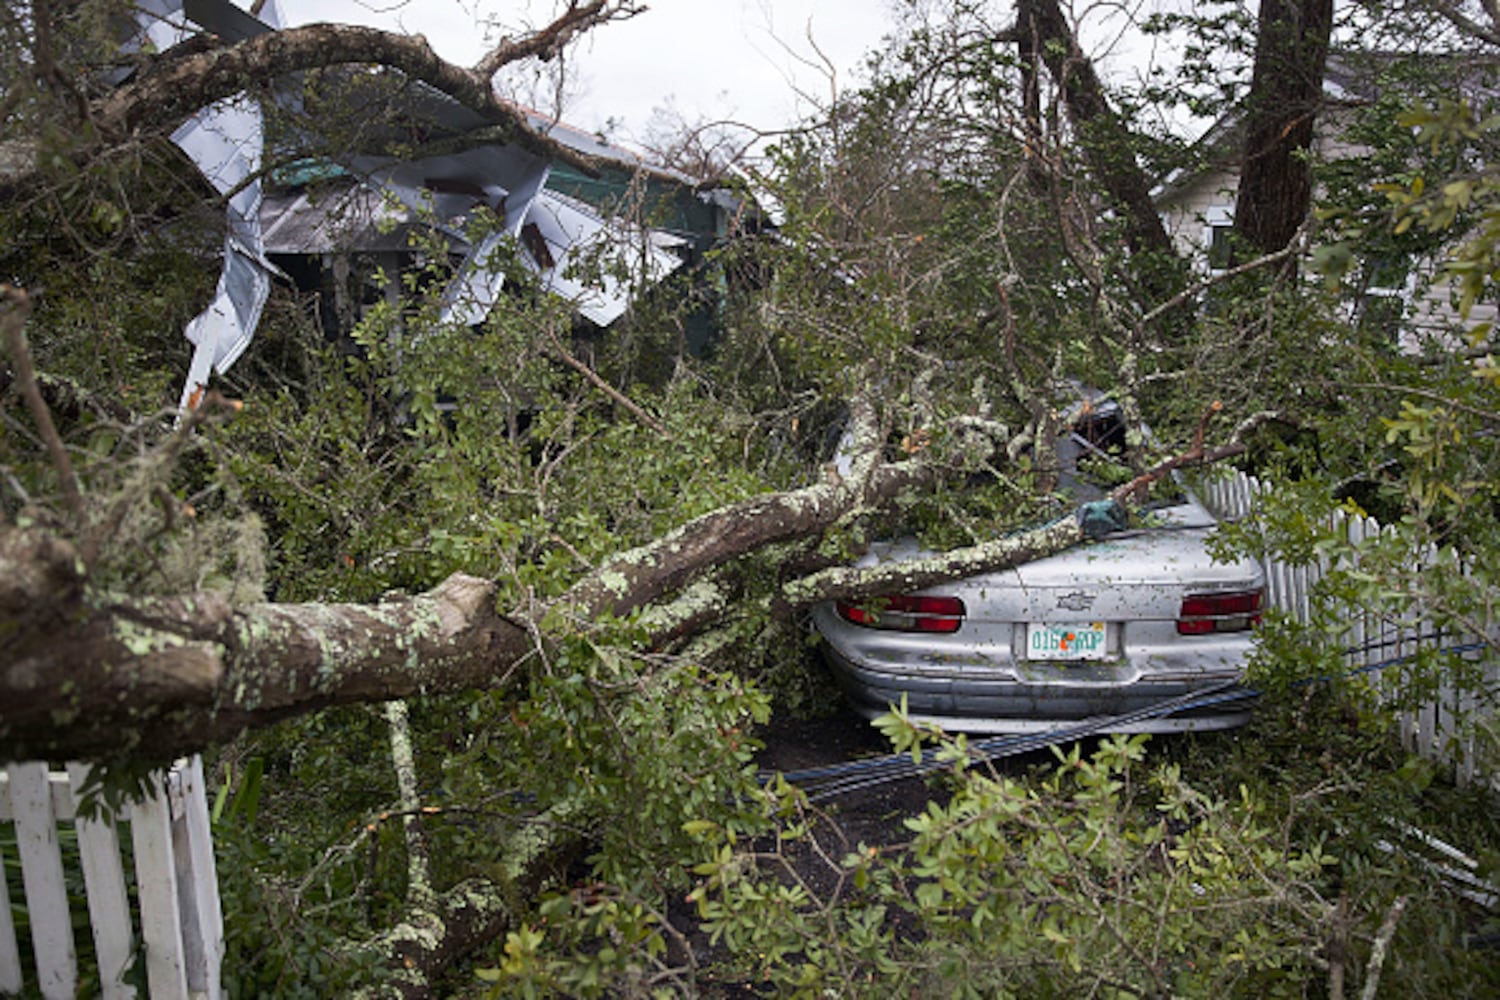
546 43
1454 15
1218 277
599 383
1197 454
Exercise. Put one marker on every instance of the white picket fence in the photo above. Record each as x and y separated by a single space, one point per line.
1439 729
175 887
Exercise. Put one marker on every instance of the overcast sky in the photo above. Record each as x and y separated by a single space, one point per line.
710 59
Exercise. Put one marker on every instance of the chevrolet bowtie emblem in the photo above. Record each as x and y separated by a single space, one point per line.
1076 601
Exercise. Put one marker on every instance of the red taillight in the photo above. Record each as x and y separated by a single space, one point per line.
1202 614
906 613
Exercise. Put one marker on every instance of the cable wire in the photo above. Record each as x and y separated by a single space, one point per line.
830 781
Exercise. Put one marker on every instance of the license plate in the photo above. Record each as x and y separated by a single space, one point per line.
1065 642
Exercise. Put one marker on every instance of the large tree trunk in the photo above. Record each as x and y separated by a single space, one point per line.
1291 54
1044 35
101 675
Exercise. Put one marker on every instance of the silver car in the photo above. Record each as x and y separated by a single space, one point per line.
1105 629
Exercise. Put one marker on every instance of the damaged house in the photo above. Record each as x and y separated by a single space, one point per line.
594 222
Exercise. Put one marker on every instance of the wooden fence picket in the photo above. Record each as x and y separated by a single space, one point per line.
193 858
156 887
104 886
176 886
42 876
10 951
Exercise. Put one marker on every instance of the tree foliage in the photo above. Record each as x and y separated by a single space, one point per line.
582 554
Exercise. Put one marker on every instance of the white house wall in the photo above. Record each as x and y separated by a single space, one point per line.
1187 212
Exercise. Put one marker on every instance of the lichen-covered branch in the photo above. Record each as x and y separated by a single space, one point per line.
87 674
646 574
432 936
853 583
104 675
900 577
179 84
404 763
202 70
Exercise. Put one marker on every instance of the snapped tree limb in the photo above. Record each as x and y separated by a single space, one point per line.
105 675
850 582
202 70
88 674
91 674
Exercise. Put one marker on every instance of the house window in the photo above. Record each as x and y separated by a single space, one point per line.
1386 275
1382 302
1218 235
1381 316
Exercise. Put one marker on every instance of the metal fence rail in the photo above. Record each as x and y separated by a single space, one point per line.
1440 728
174 886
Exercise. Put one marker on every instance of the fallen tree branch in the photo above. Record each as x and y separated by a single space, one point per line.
854 583
1378 950
644 575
176 85
159 676
1197 455
419 891
203 70
430 938
101 675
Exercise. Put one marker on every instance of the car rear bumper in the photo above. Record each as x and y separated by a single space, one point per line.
968 701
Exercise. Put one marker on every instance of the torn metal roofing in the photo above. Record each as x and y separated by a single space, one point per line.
483 166
575 234
335 220
226 143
